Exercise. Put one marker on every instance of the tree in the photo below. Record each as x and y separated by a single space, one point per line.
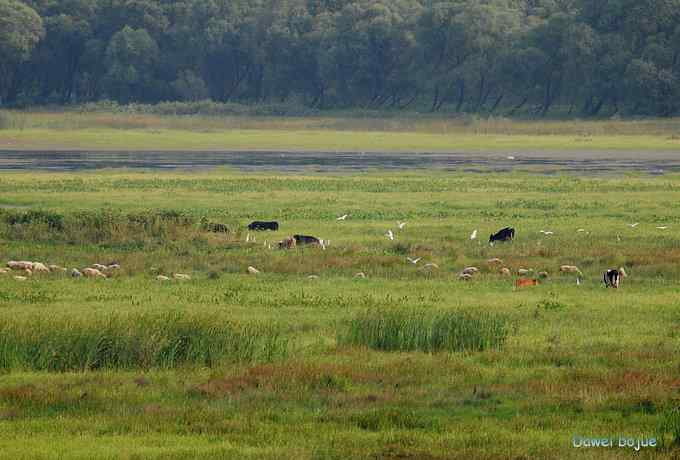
130 58
21 28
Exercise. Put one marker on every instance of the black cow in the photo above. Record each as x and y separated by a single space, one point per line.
304 239
261 226
506 234
612 278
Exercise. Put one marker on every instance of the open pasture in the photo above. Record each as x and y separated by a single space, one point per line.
407 362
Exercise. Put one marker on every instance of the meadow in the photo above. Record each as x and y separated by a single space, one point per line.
157 128
406 363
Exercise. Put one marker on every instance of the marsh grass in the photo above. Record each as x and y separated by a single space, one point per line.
587 360
96 226
426 330
138 128
133 341
670 425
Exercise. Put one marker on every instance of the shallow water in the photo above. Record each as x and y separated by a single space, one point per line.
331 162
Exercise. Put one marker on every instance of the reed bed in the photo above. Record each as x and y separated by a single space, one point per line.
427 330
133 341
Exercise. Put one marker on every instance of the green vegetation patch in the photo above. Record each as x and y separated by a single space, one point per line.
133 341
427 330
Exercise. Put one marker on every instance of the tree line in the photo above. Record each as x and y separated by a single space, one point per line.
577 57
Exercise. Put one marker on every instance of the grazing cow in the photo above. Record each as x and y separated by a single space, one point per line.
505 234
304 239
523 282
612 277
262 226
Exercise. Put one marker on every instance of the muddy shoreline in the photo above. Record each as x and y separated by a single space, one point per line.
587 162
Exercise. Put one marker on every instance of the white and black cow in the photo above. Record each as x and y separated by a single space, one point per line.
612 278
505 234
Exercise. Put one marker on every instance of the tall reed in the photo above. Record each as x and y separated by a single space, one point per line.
425 330
134 341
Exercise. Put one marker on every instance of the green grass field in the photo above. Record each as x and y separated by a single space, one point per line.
406 363
342 132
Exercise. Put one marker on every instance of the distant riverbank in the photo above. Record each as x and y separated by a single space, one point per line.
142 132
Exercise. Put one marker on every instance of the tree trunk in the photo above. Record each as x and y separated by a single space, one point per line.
518 106
435 100
461 95
497 103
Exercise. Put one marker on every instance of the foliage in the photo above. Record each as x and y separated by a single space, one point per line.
133 341
581 58
427 330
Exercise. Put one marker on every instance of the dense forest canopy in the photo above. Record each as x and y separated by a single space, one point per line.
582 57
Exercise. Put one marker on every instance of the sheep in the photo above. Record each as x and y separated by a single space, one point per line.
312 277
20 278
75 273
505 271
93 273
465 276
20 265
162 278
429 266
40 268
524 271
181 277
360 275
4 271
100 267
570 269
57 268
470 271
113 266
494 261
253 271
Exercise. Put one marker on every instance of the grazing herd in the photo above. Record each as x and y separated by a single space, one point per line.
612 278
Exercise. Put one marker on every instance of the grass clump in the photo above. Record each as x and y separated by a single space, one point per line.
428 331
133 341
670 424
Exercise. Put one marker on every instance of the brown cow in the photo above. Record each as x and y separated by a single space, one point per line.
526 282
